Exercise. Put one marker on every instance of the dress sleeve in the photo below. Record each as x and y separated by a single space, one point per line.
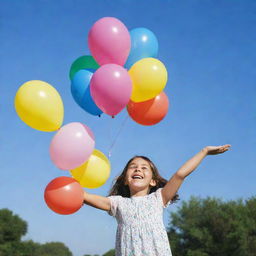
159 198
114 202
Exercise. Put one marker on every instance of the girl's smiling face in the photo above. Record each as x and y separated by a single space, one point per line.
139 176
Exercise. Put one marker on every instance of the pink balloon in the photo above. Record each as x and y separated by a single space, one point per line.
111 88
71 146
109 41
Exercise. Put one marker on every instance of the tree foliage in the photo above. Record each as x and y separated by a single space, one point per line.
54 248
12 228
210 227
109 253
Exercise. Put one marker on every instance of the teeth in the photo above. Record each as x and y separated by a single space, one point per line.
136 176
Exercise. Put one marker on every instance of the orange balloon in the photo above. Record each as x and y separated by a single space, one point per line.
64 195
149 112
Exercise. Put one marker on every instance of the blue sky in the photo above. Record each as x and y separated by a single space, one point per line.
209 50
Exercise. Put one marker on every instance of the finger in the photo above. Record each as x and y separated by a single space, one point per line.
225 146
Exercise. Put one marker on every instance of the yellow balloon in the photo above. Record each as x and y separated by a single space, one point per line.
94 172
149 77
40 106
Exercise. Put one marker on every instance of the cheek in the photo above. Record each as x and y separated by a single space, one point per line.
149 174
128 175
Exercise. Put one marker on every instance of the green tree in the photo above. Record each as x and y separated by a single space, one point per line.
29 248
109 253
12 227
54 249
26 248
211 227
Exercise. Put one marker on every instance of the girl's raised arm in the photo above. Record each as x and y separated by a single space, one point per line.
100 202
172 186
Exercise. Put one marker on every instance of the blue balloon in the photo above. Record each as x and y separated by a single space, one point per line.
144 44
80 89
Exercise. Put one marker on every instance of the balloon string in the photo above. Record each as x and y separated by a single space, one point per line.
117 135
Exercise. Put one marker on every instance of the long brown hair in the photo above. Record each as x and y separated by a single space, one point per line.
119 187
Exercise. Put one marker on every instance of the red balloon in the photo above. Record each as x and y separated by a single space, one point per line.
149 112
64 195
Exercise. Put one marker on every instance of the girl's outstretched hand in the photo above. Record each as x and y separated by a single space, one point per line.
214 150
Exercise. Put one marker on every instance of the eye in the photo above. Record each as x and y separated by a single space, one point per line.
144 168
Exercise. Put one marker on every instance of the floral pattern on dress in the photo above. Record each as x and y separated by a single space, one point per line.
140 230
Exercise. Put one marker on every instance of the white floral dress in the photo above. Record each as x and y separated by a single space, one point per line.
140 230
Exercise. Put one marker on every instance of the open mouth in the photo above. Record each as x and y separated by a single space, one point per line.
137 177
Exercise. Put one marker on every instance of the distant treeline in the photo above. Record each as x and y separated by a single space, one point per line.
212 227
200 227
12 228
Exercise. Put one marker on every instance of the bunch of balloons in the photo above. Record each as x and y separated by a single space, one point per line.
122 72
40 106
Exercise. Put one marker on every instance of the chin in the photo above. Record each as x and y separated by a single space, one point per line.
138 186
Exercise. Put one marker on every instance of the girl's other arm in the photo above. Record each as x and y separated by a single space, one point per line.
100 202
172 186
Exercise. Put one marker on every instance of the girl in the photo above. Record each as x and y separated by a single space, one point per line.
137 200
